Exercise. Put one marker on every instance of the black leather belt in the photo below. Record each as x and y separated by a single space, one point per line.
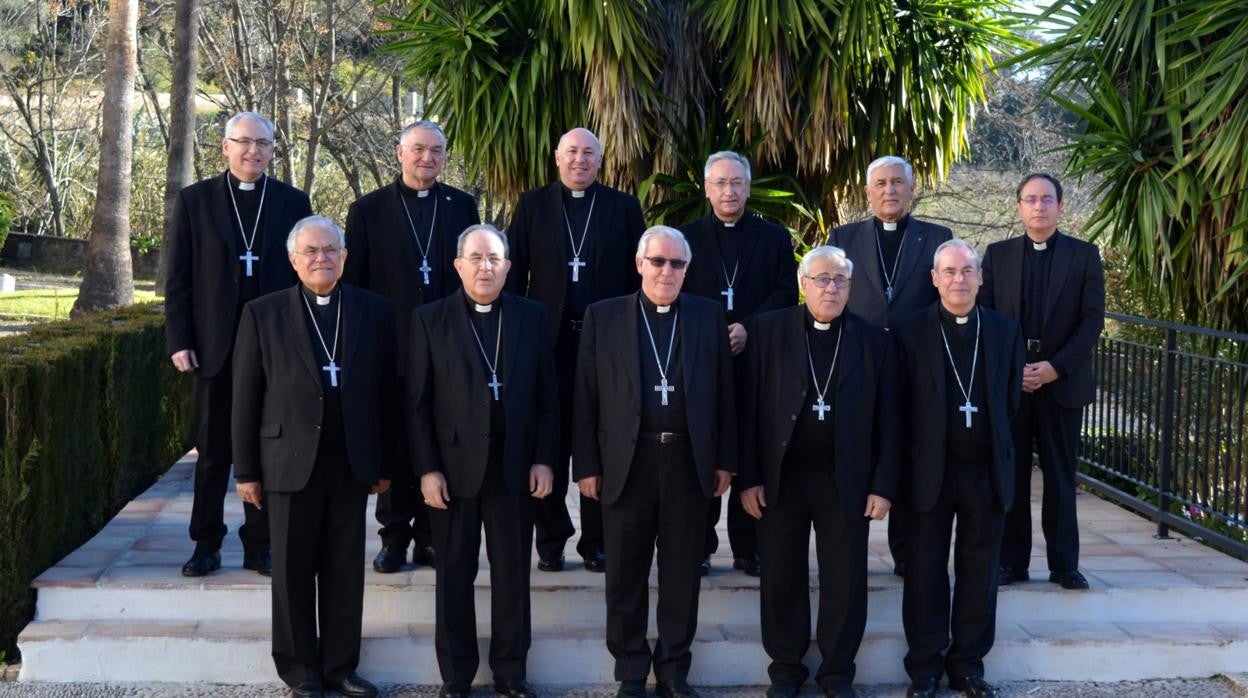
576 325
1033 346
663 437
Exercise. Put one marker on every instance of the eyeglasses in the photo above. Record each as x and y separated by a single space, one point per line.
735 183
477 259
314 252
245 143
1033 200
660 262
823 281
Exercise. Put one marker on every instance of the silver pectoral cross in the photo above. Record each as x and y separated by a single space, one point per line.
664 389
494 385
730 293
821 407
576 265
968 409
248 258
425 269
332 369
888 294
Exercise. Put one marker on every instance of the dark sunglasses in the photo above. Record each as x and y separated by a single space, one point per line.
658 262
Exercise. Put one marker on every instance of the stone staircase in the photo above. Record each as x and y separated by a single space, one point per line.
117 610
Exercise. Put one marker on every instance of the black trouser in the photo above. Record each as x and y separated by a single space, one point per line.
400 510
662 502
808 496
506 517
1045 427
898 517
318 578
552 522
742 528
929 619
213 398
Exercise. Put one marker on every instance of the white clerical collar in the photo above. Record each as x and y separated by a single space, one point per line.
483 308
961 319
822 326
1040 246
890 226
729 224
662 308
577 193
246 186
422 193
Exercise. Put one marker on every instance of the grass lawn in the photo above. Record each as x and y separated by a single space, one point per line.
43 304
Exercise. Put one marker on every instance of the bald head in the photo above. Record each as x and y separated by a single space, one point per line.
578 157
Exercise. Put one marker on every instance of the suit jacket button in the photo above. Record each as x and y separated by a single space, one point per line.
318 427
793 417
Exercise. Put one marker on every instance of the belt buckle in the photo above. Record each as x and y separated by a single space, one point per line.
666 437
576 324
1033 346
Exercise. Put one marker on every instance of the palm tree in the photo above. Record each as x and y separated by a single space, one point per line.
818 87
1161 91
108 277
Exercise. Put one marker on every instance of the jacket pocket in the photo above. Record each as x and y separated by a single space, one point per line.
271 430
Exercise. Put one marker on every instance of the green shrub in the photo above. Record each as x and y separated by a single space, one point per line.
6 215
91 413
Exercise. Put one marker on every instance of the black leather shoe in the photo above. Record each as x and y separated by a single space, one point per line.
899 570
354 686
973 687
261 561
1073 579
453 691
750 565
704 567
596 562
1007 575
631 689
425 555
923 688
550 564
782 690
514 688
201 564
676 688
390 559
840 690
307 689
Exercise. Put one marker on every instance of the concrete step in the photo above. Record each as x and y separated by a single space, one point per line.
215 651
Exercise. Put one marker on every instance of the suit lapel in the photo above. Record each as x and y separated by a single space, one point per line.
1059 269
628 344
749 244
850 354
557 227
350 317
1010 287
936 358
915 237
460 325
689 337
294 313
510 328
403 226
222 203
864 250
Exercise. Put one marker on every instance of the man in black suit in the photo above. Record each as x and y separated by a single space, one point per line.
1054 285
961 365
748 266
654 437
572 244
819 447
225 250
891 251
402 239
483 420
314 427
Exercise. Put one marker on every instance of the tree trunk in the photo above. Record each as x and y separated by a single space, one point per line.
108 279
180 170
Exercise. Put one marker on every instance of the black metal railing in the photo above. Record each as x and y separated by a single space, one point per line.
1165 436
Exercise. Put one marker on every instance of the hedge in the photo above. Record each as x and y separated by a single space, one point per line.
93 414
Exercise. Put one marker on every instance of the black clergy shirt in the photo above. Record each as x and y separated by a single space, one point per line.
655 416
248 204
813 443
333 443
1036 264
579 294
890 246
422 210
965 446
488 325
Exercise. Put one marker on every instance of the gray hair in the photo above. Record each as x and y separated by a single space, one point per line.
831 253
891 161
482 228
731 157
956 243
423 124
669 232
250 116
314 222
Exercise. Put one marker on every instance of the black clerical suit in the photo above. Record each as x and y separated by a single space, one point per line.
817 468
316 448
1058 295
954 471
657 462
900 259
484 448
206 286
394 234
543 245
755 259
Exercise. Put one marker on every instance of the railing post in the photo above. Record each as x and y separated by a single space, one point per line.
1167 434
